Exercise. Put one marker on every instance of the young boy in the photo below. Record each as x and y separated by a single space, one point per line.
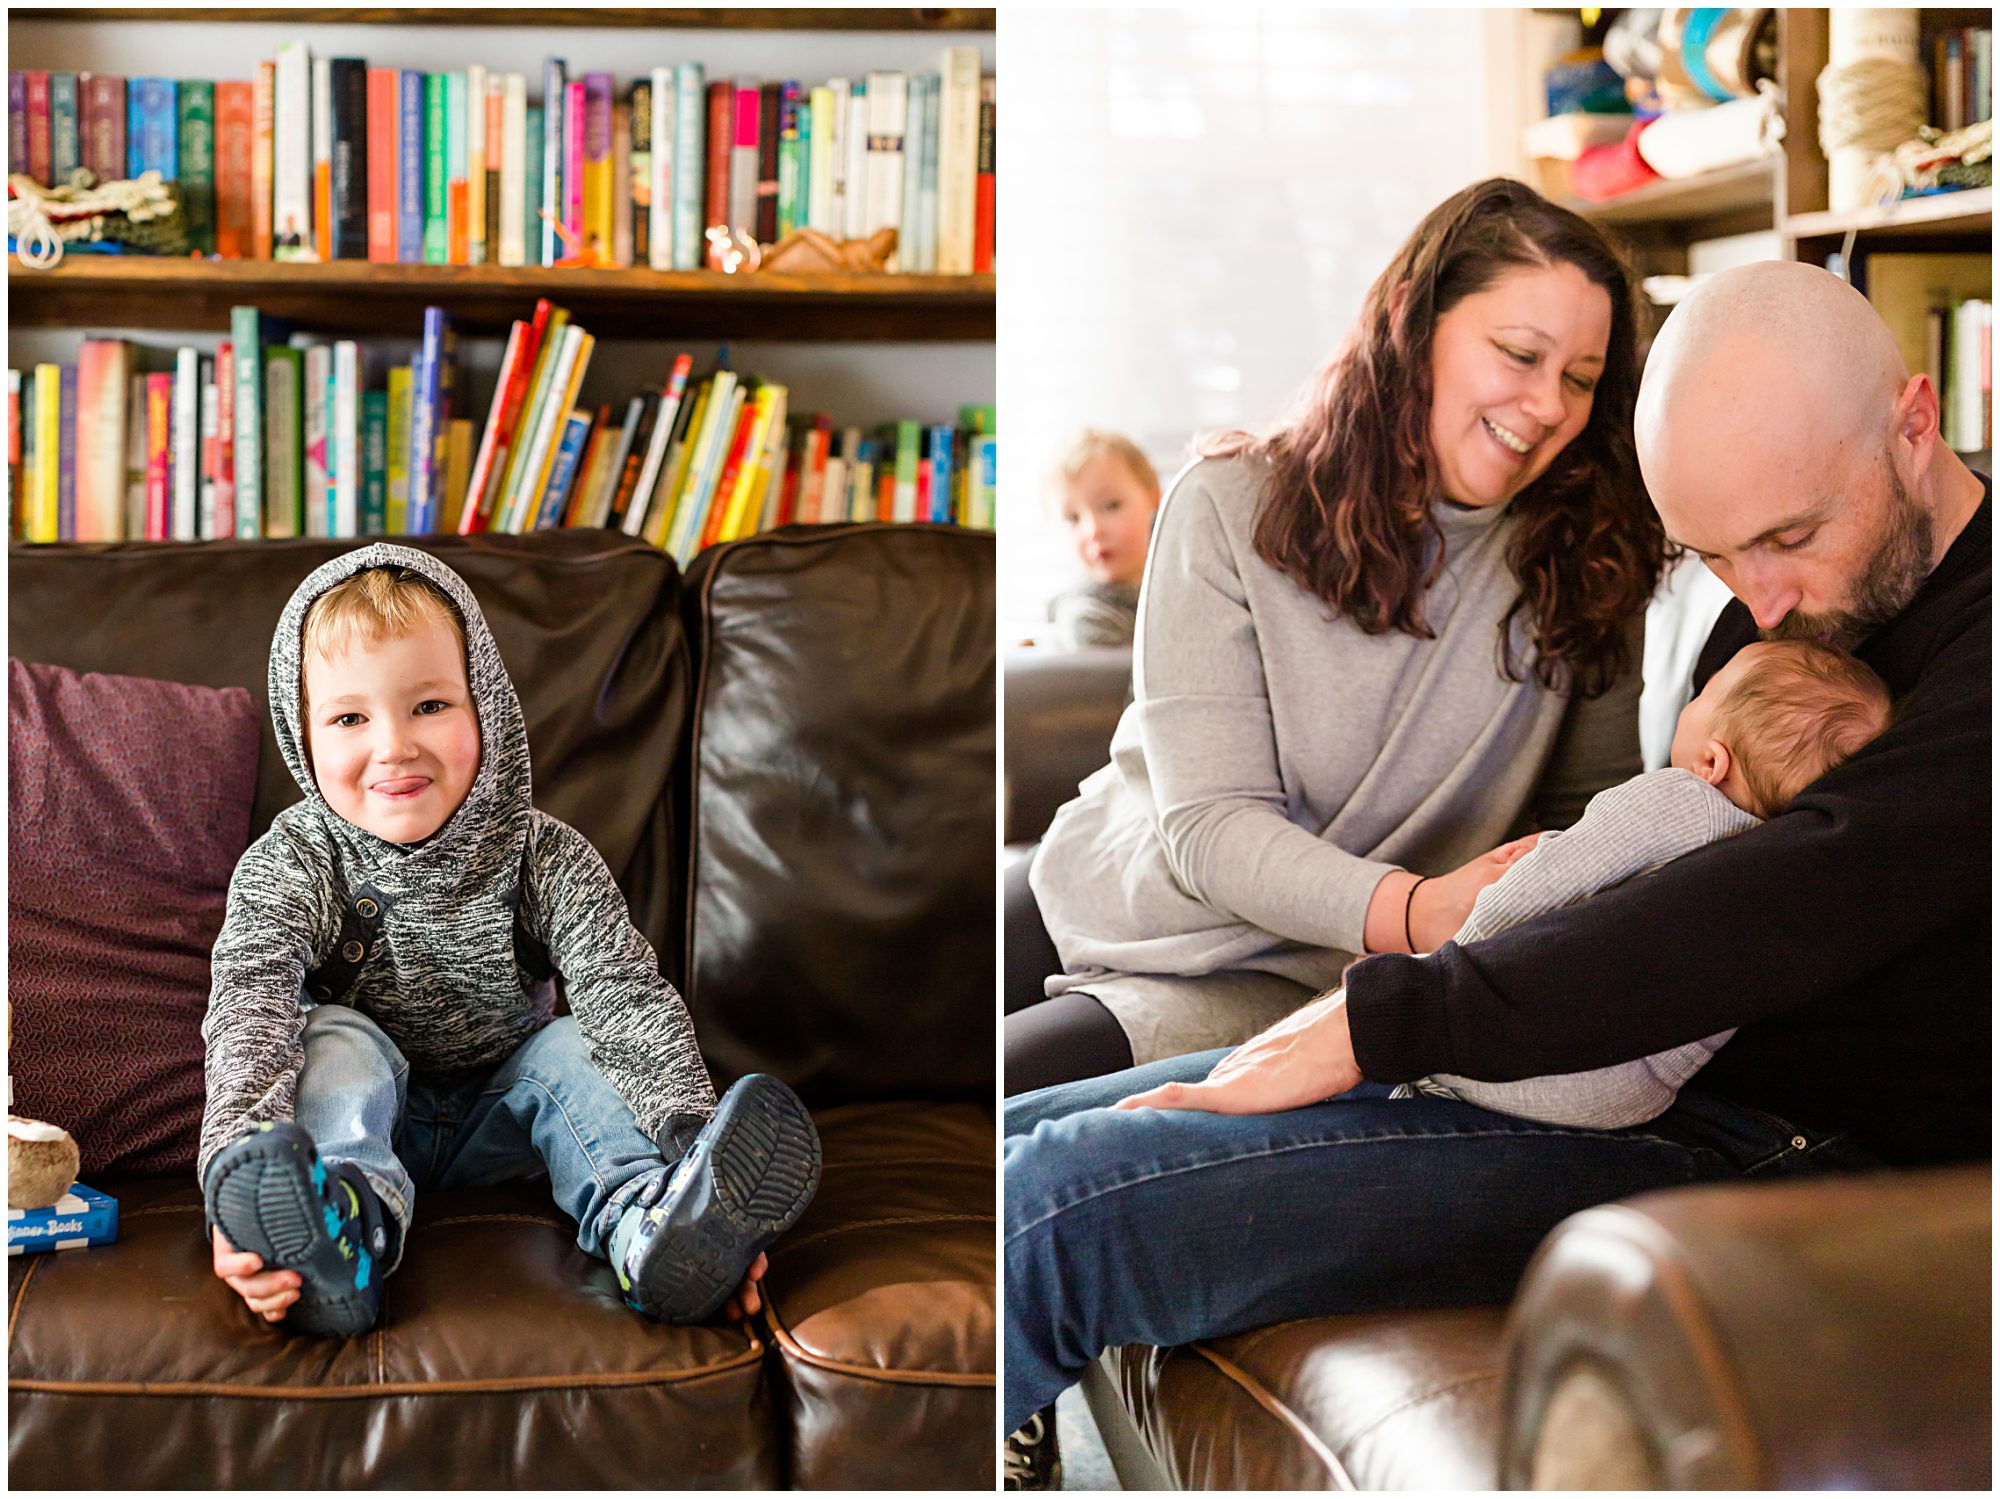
1106 496
1778 716
380 1017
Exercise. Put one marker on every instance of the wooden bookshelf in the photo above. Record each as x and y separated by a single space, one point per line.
1732 201
364 297
887 18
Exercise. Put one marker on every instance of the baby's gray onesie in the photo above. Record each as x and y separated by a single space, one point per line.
1628 830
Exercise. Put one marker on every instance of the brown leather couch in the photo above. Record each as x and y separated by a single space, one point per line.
1810 1334
787 761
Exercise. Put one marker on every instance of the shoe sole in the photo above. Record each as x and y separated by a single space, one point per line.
765 1162
266 1204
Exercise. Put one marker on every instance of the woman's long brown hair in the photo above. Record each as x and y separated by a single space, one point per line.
1347 501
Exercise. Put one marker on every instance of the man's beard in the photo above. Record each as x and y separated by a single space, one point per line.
1895 571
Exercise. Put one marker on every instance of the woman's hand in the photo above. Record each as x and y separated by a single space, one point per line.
745 1299
1440 905
1304 1058
266 1294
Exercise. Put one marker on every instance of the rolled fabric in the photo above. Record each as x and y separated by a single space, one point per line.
1565 137
1689 142
1605 172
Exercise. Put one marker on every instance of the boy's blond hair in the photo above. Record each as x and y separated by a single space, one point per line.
380 603
1797 711
1093 443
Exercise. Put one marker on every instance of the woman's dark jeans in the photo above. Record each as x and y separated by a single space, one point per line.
1163 1227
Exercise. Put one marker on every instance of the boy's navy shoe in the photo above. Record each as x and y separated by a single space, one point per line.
745 1180
272 1195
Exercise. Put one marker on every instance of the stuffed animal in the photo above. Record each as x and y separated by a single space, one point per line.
41 1163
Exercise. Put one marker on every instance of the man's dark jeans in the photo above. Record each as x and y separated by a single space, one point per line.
1162 1227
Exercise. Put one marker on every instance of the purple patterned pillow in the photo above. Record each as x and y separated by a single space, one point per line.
128 805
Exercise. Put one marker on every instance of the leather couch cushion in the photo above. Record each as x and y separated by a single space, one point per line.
587 621
1386 1400
504 1358
840 931
881 1303
128 805
1062 709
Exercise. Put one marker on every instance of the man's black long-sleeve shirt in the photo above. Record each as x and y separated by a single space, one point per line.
1849 938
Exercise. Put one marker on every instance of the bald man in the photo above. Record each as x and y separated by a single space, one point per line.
1846 939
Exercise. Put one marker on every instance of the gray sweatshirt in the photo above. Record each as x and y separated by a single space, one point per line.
1276 762
1627 831
442 977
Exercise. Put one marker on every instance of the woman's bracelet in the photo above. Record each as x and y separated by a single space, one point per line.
1409 901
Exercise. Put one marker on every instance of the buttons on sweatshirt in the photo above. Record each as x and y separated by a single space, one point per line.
353 952
366 906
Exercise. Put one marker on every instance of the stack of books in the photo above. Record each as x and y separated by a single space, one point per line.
326 158
277 435
83 1217
1962 77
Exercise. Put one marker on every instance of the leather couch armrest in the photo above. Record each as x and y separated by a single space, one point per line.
1832 1333
1062 707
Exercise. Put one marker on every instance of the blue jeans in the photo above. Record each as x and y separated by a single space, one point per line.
1163 1227
545 1108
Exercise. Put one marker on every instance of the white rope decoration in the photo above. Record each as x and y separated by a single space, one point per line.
41 218
1871 106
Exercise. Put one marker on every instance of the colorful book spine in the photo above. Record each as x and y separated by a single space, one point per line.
374 463
734 449
770 110
103 371
640 181
566 376
457 465
888 98
855 185
457 174
517 162
412 192
793 164
246 345
437 184
958 160
103 124
263 161
383 109
984 189
235 138
690 157
475 165
65 128
578 508
291 181
316 440
917 101
643 498
224 522
555 91
562 469
572 168
532 187
17 124
594 200
660 191
663 520
909 440
284 445
321 165
37 131
185 515
743 163
429 412
345 440
41 523
348 183
65 452
159 457
208 518
621 176
535 396
152 127
507 389
398 507
496 155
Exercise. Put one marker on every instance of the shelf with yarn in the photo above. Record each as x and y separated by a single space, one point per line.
1967 214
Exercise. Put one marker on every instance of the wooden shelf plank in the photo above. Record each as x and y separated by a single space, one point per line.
358 296
798 19
1940 215
1732 193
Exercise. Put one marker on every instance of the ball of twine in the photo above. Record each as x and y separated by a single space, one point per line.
1872 104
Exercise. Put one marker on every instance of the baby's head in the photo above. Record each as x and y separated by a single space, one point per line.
1779 715
1106 494
391 728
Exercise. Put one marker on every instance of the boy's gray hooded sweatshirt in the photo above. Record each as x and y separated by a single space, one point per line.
440 974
